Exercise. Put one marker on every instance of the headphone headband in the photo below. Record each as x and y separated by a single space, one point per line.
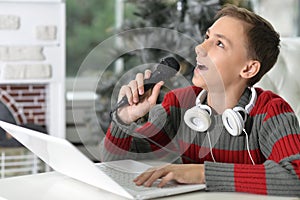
252 101
201 97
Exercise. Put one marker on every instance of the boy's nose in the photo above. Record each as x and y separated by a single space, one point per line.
200 50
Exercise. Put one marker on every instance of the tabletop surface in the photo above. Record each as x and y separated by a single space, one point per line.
55 186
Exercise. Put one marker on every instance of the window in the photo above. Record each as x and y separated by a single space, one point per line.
88 23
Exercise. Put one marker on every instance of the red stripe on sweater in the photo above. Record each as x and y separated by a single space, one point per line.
116 145
296 166
200 154
181 98
285 147
154 133
274 104
249 178
148 130
278 107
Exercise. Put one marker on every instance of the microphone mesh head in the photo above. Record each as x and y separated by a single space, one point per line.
167 68
171 62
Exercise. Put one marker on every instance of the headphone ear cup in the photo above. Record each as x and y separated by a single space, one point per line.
233 122
197 119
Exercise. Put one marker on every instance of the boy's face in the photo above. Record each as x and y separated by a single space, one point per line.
222 55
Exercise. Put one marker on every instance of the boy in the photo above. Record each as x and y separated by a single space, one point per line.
236 138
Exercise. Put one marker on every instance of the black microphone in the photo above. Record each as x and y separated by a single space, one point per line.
166 69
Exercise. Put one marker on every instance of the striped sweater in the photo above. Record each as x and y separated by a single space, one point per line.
273 134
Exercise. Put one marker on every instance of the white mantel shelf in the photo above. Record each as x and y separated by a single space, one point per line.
26 81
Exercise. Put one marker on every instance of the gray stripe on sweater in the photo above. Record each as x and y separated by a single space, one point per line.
276 128
281 174
219 176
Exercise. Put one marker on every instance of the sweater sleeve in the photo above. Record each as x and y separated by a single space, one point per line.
279 141
139 141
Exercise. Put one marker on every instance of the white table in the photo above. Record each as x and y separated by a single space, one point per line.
55 186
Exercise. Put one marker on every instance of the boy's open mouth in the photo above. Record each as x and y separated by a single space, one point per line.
201 66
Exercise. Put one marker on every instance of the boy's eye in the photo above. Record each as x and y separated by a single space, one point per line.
220 44
206 36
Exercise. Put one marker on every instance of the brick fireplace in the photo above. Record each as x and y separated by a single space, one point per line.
26 102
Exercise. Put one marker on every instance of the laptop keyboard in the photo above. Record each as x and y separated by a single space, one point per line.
125 179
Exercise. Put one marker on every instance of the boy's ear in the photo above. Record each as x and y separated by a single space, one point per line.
251 69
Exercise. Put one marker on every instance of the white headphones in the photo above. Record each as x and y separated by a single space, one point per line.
198 117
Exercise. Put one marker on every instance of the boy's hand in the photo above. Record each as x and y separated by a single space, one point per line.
139 102
182 173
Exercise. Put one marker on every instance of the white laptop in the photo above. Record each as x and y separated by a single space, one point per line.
65 158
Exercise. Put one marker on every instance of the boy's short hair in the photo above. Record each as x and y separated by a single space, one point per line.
263 40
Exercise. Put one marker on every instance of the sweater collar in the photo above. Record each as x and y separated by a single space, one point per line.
245 98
